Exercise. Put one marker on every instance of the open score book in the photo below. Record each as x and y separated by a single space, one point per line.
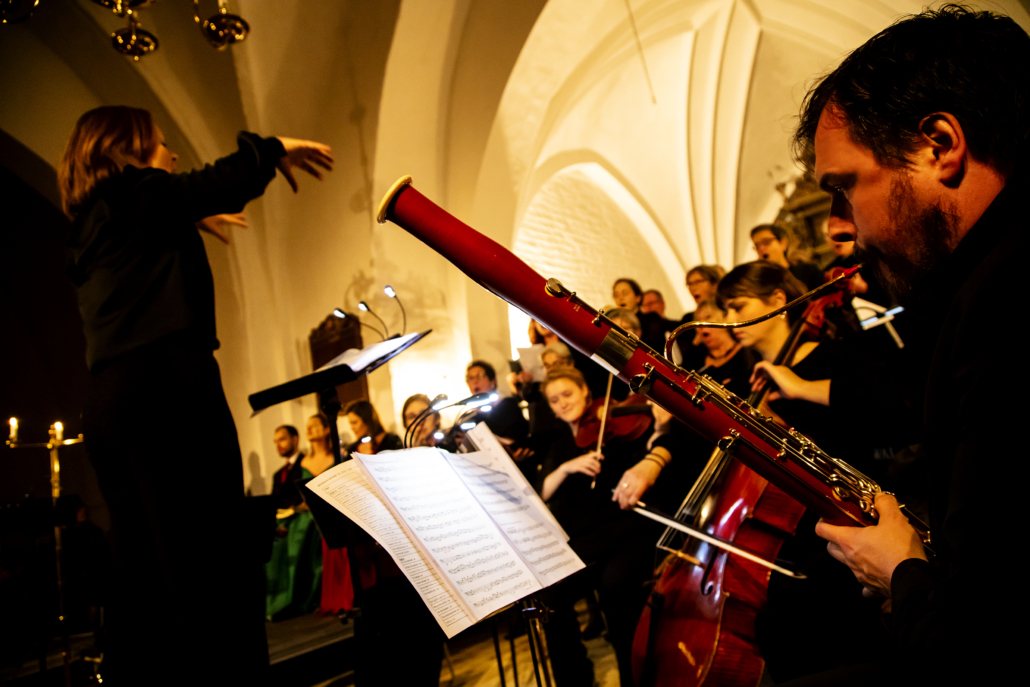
467 530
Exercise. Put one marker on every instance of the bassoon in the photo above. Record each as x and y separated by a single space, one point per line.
837 492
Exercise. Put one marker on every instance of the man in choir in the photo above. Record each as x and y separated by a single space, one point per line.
772 243
920 136
284 489
653 301
504 417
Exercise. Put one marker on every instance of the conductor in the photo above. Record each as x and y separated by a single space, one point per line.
155 405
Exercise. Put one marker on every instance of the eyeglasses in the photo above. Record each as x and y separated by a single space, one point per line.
475 377
762 243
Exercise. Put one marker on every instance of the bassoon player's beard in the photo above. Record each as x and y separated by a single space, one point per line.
920 240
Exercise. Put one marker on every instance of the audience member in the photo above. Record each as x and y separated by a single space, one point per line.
772 243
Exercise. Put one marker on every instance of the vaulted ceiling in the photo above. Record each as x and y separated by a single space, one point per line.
498 108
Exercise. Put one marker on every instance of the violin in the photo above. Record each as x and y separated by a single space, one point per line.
790 462
626 420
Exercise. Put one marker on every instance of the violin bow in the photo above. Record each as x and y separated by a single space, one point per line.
604 418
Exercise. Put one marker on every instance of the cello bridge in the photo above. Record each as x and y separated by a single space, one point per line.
682 556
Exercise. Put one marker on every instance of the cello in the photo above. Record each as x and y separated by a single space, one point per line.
699 623
784 457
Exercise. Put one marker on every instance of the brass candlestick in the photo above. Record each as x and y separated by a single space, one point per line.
54 445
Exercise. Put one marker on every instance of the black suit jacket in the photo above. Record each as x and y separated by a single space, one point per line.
284 484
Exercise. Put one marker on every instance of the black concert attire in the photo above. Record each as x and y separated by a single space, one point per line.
390 442
808 273
617 547
146 297
505 420
284 484
544 428
692 357
948 624
652 329
789 629
735 373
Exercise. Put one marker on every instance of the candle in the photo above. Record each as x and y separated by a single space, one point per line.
14 429
58 431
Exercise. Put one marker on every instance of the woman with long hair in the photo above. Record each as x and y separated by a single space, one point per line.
368 430
146 297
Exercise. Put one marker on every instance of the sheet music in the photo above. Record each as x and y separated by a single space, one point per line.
348 489
452 527
530 361
358 360
498 484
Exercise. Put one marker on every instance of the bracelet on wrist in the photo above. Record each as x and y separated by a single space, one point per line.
654 460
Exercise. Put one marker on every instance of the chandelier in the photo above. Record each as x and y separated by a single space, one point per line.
220 30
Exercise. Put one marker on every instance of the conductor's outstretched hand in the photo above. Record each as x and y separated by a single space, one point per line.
304 155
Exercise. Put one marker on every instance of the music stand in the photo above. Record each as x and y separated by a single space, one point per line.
337 531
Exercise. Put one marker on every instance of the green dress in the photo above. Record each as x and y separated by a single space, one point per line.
293 576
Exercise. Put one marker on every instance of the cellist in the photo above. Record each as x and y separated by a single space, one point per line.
789 629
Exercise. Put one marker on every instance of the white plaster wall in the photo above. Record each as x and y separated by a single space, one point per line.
574 231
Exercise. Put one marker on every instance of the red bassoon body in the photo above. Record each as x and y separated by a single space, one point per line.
791 464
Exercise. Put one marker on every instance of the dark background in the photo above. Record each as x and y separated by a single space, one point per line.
43 375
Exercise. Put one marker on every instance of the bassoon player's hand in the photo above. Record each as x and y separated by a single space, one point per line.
874 552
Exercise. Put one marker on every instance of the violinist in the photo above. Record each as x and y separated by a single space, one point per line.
921 136
788 629
577 483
